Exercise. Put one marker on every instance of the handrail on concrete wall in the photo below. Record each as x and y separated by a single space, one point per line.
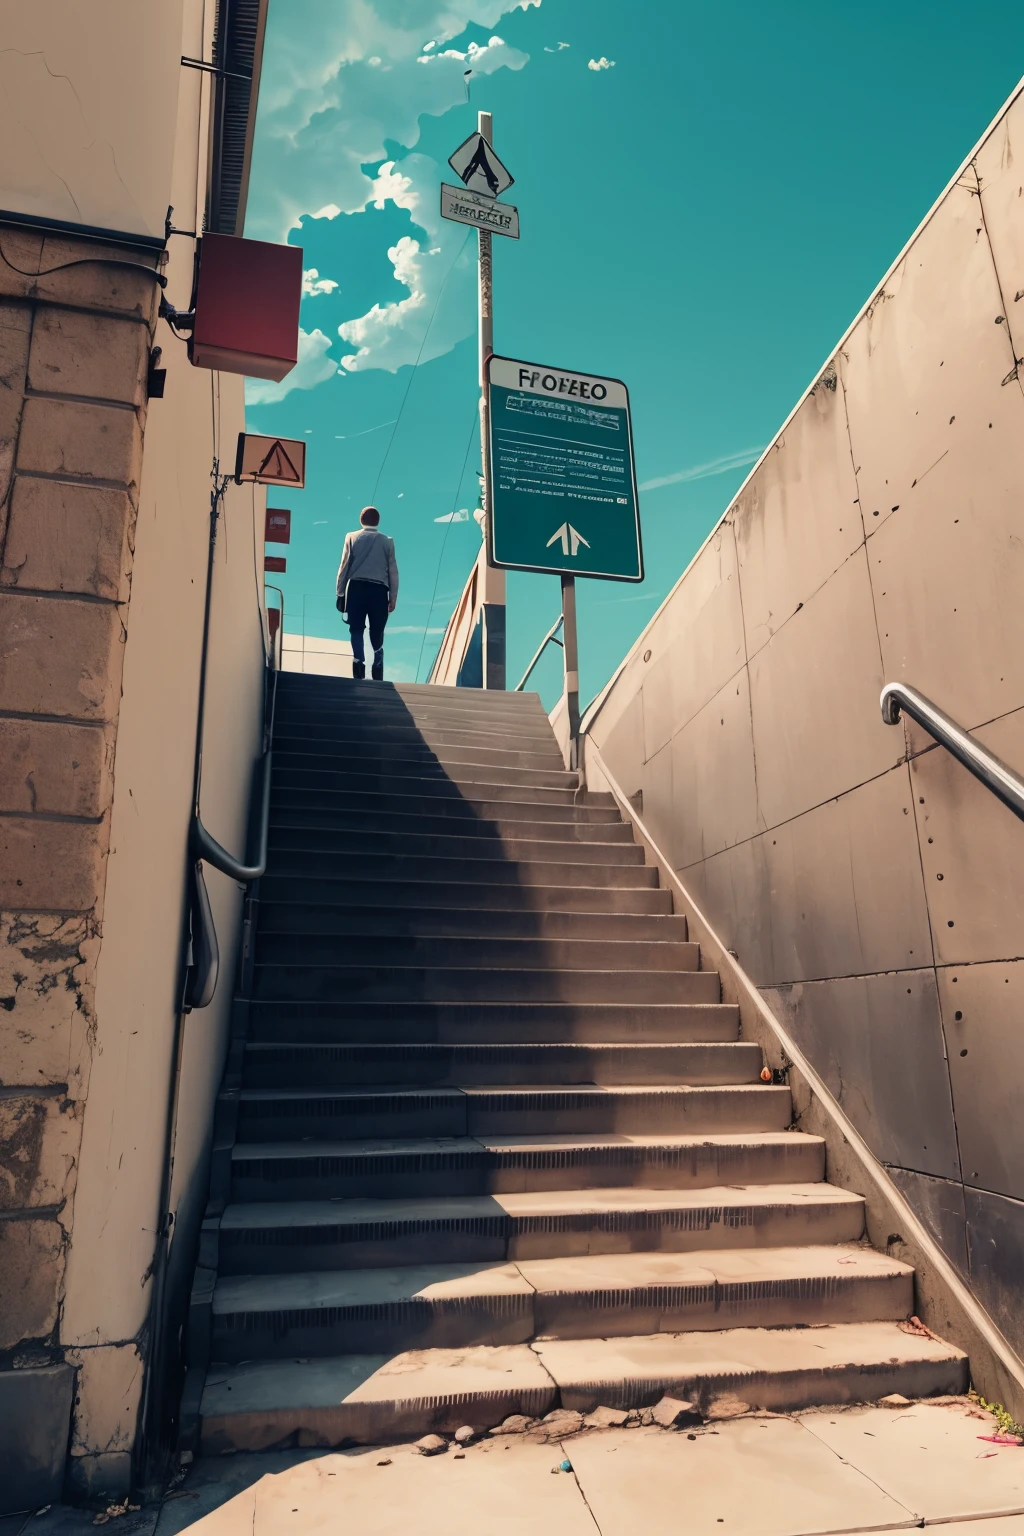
1007 786
205 961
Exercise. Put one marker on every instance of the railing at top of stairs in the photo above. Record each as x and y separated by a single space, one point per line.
472 649
899 699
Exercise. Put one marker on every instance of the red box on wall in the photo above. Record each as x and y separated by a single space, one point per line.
275 563
247 296
278 528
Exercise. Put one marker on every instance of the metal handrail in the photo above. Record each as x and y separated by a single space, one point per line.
1005 784
203 845
549 639
277 660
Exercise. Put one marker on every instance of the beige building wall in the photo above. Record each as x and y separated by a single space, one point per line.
872 889
104 521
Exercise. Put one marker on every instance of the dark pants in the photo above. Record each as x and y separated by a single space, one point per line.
367 600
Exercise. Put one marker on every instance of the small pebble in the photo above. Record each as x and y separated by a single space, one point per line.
385 1463
565 1466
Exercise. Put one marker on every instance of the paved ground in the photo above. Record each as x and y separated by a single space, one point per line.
830 1471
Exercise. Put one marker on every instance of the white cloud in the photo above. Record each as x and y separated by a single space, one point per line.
326 110
703 471
313 283
461 516
482 59
438 309
557 48
355 76
601 63
312 368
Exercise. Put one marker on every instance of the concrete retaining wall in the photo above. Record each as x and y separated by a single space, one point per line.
870 887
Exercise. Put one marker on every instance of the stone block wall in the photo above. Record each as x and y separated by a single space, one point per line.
74 350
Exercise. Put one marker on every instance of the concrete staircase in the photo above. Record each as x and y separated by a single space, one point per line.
490 1142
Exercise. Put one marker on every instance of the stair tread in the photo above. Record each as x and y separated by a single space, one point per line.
491 1377
505 1090
614 1272
267 1214
553 1144
395 1049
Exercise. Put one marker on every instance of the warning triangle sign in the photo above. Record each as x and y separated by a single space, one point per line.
277 465
270 460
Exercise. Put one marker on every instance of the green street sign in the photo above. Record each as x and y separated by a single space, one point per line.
562 479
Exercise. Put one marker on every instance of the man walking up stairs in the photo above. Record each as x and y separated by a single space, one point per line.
494 1144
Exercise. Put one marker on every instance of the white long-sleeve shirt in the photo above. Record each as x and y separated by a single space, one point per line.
369 555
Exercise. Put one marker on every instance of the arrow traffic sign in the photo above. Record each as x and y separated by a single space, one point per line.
479 168
571 540
560 447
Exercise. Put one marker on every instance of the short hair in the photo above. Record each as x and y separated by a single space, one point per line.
369 517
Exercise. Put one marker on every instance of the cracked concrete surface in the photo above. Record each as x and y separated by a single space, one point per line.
846 1470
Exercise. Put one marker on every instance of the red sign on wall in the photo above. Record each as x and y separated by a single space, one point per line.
275 563
278 526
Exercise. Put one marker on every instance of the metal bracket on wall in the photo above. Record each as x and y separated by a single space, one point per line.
214 69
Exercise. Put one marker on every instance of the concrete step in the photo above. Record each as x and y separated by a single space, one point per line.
280 1238
398 894
417 773
452 1306
465 871
358 701
338 1114
407 756
305 684
412 983
269 1065
500 831
369 1399
477 951
355 920
363 733
395 787
366 845
492 1023
456 805
454 1166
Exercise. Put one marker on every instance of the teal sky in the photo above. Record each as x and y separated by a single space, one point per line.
702 216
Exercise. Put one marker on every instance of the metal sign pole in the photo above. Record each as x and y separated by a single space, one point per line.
493 615
572 666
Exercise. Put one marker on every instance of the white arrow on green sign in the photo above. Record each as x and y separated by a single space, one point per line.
570 538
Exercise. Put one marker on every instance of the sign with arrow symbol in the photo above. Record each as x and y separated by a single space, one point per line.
560 447
478 167
571 540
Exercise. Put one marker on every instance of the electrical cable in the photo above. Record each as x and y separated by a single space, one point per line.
87 261
447 527
256 578
416 364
